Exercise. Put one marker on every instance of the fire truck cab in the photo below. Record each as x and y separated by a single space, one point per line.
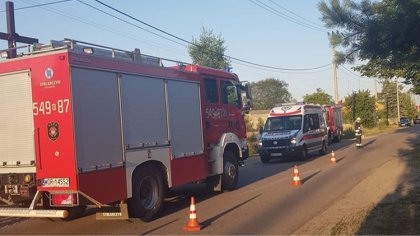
88 125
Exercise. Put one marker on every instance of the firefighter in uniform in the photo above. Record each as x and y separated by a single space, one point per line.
358 131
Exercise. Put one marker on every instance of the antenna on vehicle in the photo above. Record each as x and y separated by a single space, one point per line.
11 36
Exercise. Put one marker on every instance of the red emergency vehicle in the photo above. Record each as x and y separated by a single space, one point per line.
87 125
333 117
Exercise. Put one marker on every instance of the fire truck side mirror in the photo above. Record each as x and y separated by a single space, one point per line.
247 107
248 91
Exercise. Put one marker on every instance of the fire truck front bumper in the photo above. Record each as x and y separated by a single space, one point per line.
33 213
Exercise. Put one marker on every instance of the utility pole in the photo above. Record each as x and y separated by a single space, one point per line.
335 76
334 41
376 101
11 36
398 100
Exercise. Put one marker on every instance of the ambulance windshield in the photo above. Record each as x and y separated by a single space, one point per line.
283 123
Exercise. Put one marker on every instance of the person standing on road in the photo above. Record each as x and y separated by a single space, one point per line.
358 131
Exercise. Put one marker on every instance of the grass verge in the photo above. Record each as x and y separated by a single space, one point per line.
349 131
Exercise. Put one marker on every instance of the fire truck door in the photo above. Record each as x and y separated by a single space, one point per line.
232 103
17 134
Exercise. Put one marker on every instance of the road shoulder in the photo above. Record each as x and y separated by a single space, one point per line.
347 214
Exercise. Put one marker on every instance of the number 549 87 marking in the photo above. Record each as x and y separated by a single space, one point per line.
48 107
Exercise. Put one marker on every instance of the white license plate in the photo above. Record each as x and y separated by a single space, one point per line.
56 182
276 154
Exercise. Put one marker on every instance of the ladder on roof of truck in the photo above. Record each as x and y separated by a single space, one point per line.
94 49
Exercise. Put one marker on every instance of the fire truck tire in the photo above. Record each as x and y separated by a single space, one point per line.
148 193
230 171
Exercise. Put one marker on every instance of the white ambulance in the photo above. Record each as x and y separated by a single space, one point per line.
293 130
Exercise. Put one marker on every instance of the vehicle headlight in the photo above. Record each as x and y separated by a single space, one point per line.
259 143
293 141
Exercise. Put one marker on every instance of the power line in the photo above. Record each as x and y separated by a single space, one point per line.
118 18
144 23
285 16
353 75
193 44
256 65
39 5
291 12
99 26
285 72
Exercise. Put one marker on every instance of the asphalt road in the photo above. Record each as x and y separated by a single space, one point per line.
265 202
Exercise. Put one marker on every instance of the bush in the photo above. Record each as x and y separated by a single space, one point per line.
260 123
252 141
249 124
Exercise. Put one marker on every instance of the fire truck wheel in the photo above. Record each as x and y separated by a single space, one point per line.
148 193
230 171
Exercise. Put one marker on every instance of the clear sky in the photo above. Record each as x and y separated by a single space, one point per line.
278 33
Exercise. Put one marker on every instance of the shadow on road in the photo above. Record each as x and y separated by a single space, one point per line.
310 177
369 143
159 227
208 222
399 213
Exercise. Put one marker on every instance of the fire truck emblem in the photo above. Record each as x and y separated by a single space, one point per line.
49 73
53 131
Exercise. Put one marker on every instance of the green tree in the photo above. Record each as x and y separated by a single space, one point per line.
360 104
319 97
208 50
388 97
384 33
407 107
269 92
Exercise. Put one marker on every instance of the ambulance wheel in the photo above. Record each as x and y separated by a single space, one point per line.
323 149
338 138
230 171
265 159
148 193
303 154
330 138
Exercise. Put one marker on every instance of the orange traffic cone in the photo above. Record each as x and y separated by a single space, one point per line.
296 178
192 224
333 160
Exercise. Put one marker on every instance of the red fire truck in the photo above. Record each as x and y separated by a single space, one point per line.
333 117
87 125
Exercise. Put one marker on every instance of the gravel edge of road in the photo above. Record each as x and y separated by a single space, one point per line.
345 216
